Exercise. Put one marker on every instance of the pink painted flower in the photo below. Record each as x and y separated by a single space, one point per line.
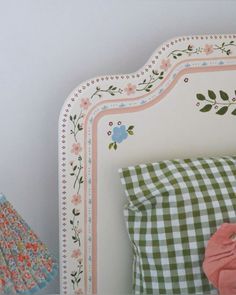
165 64
76 199
130 89
27 275
79 292
85 103
2 284
31 285
208 49
48 267
76 148
21 257
76 253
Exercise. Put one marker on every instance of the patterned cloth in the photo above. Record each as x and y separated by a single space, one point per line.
174 207
25 263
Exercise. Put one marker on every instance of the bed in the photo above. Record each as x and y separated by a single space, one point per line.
180 104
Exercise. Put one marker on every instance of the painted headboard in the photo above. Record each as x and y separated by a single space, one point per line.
181 103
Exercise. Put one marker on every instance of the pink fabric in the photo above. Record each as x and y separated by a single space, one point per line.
227 282
220 259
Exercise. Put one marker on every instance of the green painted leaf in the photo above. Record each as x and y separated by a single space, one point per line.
111 145
190 48
115 145
73 274
234 112
211 94
75 212
206 108
200 96
222 110
130 132
131 127
224 95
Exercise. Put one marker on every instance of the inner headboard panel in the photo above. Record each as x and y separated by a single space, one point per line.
181 103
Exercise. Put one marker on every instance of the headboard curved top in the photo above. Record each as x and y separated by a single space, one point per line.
181 103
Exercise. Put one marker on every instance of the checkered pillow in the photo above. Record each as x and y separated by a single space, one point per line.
174 207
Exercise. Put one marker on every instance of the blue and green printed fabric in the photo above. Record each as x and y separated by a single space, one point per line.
26 265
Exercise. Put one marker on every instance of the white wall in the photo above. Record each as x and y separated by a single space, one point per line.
47 47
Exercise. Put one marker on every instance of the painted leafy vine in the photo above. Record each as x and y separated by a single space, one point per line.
112 90
224 48
75 226
189 51
222 103
76 275
76 173
147 84
76 124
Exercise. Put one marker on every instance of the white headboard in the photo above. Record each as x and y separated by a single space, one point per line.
180 104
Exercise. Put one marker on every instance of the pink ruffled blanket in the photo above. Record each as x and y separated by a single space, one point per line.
220 259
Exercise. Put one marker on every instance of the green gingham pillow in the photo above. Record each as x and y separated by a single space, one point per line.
174 207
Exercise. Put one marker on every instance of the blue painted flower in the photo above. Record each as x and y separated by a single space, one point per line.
119 133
